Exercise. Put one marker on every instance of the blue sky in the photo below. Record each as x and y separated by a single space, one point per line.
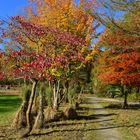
14 7
11 7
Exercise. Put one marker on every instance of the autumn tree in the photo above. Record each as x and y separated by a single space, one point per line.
65 15
50 44
122 62
2 73
55 61
123 69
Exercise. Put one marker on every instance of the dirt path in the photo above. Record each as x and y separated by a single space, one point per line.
105 129
112 100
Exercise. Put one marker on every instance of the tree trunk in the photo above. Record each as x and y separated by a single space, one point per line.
40 117
28 113
125 100
127 90
122 91
66 91
55 95
35 106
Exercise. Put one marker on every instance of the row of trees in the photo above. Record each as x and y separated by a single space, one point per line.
50 48
119 62
47 48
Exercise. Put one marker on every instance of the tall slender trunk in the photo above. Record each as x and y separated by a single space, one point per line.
55 94
28 113
125 100
67 90
125 105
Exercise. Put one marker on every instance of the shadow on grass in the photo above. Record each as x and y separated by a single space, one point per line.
48 125
119 106
8 103
83 118
87 108
96 116
85 130
83 110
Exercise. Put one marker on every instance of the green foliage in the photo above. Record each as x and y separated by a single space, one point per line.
44 89
113 91
134 97
89 88
26 92
48 92
78 88
72 95
99 88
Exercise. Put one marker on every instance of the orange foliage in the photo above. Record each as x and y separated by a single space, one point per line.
65 16
122 69
120 39
127 35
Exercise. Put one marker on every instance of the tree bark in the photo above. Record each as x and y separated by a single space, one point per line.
28 113
55 95
66 86
125 100
126 90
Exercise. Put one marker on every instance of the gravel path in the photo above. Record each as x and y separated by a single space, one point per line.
105 129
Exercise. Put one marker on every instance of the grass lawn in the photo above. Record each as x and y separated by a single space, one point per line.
127 120
8 107
83 128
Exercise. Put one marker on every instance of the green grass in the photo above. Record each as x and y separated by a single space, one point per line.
127 120
62 130
81 128
8 107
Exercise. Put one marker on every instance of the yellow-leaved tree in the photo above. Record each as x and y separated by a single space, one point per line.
65 15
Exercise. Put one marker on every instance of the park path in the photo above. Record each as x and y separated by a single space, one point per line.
105 129
112 100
